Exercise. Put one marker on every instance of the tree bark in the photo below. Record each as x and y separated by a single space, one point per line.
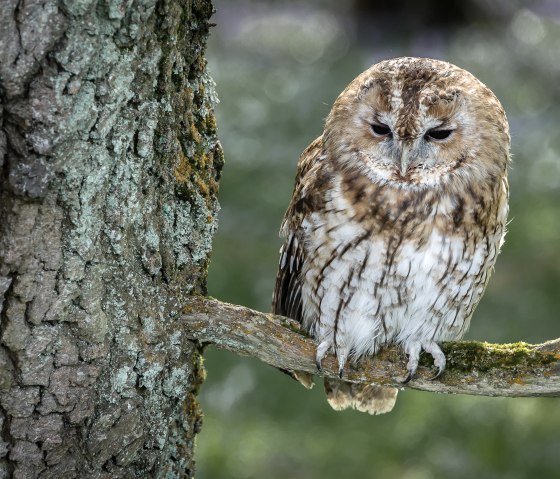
481 369
109 172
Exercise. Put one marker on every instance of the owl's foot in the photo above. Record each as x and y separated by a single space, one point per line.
413 350
435 351
342 356
340 368
320 353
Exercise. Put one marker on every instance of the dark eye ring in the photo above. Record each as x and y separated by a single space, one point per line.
381 129
438 134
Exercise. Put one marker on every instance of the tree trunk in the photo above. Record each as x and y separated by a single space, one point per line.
109 171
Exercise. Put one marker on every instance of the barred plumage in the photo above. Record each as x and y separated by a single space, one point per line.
397 216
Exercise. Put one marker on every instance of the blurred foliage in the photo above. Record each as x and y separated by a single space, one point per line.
278 67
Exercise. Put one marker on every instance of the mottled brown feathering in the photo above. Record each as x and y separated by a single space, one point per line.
397 217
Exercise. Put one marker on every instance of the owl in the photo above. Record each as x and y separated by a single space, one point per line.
398 214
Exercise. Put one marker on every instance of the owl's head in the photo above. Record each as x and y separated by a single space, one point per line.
416 122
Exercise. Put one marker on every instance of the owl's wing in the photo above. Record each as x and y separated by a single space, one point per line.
287 294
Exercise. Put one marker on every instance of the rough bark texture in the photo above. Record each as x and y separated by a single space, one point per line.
109 167
482 369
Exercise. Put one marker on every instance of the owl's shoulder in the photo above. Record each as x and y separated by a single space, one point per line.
309 158
313 180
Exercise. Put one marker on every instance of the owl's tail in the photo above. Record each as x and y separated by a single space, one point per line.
370 398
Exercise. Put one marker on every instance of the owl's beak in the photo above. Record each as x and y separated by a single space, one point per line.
404 159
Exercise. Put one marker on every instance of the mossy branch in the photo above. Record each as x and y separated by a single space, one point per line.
478 368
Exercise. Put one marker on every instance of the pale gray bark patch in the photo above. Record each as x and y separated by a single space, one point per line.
109 172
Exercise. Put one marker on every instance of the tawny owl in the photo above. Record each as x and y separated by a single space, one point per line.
397 216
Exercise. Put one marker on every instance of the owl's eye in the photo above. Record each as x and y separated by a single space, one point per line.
437 134
380 129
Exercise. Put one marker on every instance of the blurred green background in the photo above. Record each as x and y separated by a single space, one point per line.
278 66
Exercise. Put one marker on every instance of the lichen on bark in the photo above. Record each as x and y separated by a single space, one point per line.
109 174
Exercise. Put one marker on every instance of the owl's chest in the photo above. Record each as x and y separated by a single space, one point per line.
409 279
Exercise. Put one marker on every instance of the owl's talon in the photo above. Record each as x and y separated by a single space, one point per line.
433 349
409 376
411 367
320 353
341 372
438 374
413 350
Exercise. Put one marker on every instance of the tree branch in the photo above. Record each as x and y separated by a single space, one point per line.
478 368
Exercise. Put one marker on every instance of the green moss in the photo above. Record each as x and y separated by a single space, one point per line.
469 355
210 122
